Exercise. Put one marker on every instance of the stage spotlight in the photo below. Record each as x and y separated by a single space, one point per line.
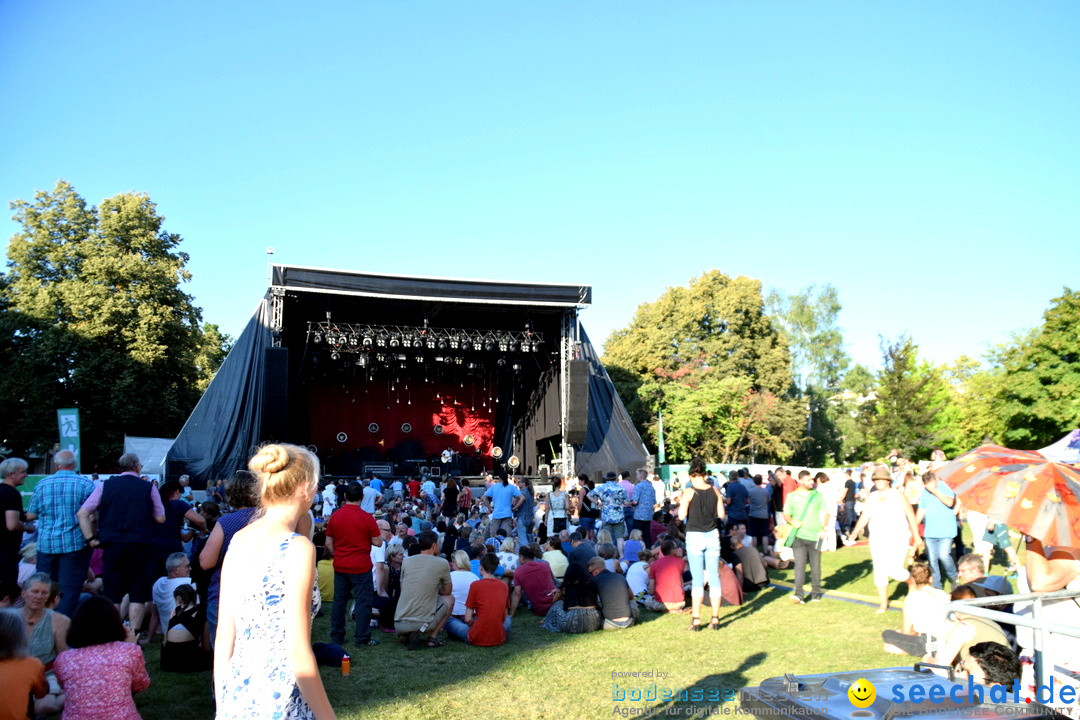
517 367
418 343
361 361
472 366
466 344
381 341
354 340
431 343
536 346
455 342
438 358
459 360
395 342
501 362
504 345
489 345
335 355
380 358
442 344
317 338
419 359
368 341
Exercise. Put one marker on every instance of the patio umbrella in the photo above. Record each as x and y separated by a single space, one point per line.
1020 488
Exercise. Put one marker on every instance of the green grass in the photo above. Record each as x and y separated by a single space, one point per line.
541 675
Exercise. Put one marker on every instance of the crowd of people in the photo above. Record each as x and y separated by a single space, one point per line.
234 582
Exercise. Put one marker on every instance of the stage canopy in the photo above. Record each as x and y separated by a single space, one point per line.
402 375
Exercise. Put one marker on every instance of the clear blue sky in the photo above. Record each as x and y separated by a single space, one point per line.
923 157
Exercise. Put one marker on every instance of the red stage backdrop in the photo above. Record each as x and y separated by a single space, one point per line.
350 406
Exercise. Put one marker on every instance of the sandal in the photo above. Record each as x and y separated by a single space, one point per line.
435 642
695 624
714 624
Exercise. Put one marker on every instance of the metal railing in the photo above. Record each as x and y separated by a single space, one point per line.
1041 628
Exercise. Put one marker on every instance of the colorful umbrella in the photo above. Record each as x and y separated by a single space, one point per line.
1022 489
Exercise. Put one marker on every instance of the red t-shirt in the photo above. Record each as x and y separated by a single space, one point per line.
414 488
536 581
788 485
667 572
488 599
352 531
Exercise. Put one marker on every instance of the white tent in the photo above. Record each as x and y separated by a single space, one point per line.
1066 450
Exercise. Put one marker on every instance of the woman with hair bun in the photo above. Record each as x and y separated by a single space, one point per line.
268 591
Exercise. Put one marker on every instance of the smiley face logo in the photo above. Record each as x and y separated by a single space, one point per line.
862 693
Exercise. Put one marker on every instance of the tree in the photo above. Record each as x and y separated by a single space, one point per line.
910 397
808 322
973 416
851 410
92 297
1041 377
707 355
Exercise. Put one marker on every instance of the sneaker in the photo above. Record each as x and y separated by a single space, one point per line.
815 597
796 600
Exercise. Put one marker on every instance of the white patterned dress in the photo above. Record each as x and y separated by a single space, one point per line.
259 682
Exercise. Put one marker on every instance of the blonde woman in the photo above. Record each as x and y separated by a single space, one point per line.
268 592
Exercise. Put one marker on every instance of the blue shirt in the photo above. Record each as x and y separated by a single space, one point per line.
739 498
939 518
645 497
56 500
502 499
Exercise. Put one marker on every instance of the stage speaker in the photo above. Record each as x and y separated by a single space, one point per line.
275 395
577 414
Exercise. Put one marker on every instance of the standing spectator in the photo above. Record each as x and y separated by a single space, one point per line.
243 495
700 507
737 501
558 504
62 550
757 521
936 509
612 498
892 530
350 535
805 511
13 474
263 664
847 517
103 666
127 507
330 499
501 499
643 502
450 495
523 511
371 498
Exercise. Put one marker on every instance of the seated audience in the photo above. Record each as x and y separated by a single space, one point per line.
617 604
186 644
555 558
666 579
923 618
395 555
577 611
966 630
22 677
749 567
991 663
103 666
462 578
177 573
534 582
486 622
637 575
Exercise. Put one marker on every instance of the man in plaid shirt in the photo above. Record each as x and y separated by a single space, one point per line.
62 551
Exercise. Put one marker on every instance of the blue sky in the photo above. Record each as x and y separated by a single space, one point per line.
922 157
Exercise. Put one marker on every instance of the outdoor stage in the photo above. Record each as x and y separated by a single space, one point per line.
396 375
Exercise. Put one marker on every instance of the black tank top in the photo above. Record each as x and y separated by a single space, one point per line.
701 514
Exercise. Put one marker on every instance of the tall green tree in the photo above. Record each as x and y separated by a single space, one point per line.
708 355
851 411
1040 391
92 296
807 320
910 397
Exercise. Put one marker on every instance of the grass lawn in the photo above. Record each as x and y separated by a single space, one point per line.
542 675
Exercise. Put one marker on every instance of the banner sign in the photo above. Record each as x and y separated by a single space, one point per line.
68 419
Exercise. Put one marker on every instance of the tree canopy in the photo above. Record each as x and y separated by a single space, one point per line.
709 357
94 317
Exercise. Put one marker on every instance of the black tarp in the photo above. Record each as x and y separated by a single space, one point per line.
612 442
219 436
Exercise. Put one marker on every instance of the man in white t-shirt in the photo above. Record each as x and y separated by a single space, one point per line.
178 572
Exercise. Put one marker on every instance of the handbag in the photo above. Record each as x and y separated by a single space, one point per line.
790 539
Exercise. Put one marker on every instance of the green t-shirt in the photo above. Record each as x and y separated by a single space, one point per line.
814 519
